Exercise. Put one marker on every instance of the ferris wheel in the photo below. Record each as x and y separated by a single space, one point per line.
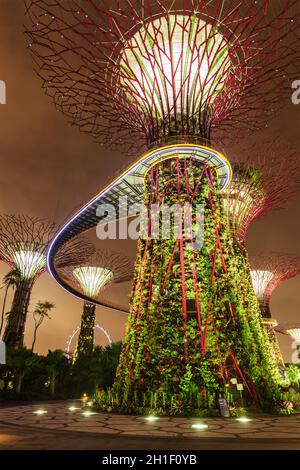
76 332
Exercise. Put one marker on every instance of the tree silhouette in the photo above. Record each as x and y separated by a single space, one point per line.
98 272
11 279
56 362
24 241
41 312
21 362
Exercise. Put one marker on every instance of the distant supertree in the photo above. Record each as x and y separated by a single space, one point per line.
268 272
172 75
91 278
265 177
137 71
294 332
293 329
23 245
264 182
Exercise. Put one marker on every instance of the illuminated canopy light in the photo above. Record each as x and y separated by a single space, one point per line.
92 279
260 280
29 263
239 198
294 333
244 198
173 63
114 68
237 204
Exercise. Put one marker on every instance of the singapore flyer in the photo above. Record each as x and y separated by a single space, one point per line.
75 332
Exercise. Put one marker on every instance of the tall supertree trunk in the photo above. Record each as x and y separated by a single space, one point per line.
3 309
194 318
275 350
269 325
15 326
268 336
85 343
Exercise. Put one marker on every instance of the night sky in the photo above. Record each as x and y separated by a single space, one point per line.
48 168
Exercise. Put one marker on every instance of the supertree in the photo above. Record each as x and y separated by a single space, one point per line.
172 76
23 244
263 181
138 71
268 272
91 277
292 330
261 184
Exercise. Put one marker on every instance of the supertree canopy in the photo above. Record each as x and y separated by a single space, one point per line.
294 332
264 179
138 71
23 244
268 272
173 76
92 277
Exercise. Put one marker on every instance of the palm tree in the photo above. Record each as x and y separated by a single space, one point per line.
56 362
11 279
21 362
103 365
41 312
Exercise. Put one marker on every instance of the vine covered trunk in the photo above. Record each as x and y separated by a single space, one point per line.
85 342
270 325
15 326
194 321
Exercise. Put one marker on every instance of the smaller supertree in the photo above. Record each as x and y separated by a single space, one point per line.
263 181
23 245
91 278
293 330
268 272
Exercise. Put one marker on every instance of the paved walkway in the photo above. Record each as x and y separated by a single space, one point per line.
68 417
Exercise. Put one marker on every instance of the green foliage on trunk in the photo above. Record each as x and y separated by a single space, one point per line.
200 336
